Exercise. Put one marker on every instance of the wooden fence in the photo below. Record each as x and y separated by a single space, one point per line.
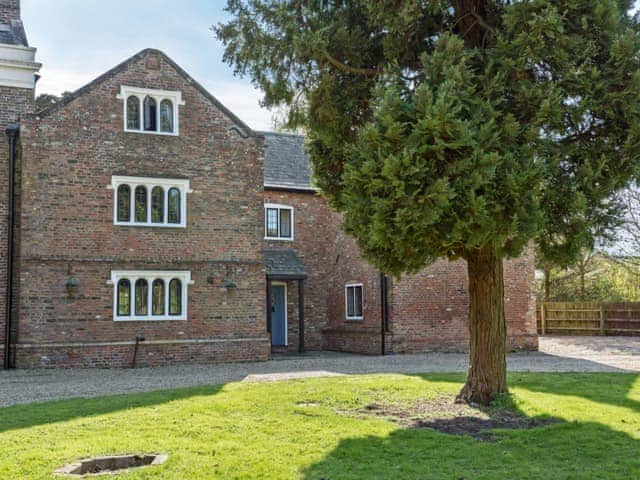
589 318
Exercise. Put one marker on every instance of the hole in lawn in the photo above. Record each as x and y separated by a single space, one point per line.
444 415
112 464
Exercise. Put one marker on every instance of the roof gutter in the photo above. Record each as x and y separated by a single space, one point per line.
12 132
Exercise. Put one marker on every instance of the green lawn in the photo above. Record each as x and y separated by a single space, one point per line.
288 430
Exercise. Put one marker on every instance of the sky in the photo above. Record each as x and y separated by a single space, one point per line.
78 40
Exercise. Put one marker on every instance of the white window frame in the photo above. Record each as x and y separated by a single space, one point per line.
149 183
346 301
158 95
149 275
279 207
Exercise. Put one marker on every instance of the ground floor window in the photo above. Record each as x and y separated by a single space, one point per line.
353 301
150 295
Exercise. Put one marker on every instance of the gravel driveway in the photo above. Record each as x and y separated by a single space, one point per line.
557 354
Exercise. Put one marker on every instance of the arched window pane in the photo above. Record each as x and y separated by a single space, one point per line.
133 113
157 205
142 297
124 203
141 204
174 206
124 297
158 296
166 116
175 297
150 113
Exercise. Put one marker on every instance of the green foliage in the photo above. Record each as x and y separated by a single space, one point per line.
601 278
309 429
438 127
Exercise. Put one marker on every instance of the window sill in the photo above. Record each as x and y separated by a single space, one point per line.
150 319
283 239
152 225
149 132
354 319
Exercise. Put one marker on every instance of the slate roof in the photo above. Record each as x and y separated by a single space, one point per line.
284 263
286 163
13 33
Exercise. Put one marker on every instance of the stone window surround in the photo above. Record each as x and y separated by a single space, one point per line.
158 95
150 275
346 301
148 182
291 226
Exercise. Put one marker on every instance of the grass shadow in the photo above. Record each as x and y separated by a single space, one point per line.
34 414
573 450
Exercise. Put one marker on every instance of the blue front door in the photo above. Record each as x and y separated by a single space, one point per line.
278 315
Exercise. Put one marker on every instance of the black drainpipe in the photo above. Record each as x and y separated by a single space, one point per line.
384 311
12 132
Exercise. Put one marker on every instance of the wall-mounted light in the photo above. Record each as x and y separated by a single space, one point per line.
227 281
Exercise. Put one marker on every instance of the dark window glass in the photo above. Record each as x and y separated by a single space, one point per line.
157 295
357 301
285 223
175 297
124 297
166 116
133 113
272 222
157 205
142 297
174 206
141 204
350 302
354 301
150 114
124 203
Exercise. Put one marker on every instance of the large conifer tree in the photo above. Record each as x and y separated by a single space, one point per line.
459 129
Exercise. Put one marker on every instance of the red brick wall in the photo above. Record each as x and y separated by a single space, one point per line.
9 10
429 310
315 227
13 101
69 157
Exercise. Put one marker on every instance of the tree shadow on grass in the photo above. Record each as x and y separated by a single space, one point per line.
33 414
562 451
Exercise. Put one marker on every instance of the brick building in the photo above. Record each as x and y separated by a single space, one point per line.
150 222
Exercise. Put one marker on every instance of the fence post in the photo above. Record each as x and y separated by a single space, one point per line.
542 319
601 319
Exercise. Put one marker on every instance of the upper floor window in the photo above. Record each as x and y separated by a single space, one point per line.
278 222
152 202
150 111
150 295
353 301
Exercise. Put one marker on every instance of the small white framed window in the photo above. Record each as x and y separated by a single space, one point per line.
278 222
149 110
150 295
353 300
150 202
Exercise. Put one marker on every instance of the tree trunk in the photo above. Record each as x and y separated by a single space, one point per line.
487 375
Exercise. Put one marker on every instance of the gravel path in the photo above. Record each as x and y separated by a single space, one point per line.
557 354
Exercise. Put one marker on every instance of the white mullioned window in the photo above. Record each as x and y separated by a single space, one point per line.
149 110
353 300
150 295
150 202
278 222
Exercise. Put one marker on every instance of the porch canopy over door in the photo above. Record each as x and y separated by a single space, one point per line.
284 265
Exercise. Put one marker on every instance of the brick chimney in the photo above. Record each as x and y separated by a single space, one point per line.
9 10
